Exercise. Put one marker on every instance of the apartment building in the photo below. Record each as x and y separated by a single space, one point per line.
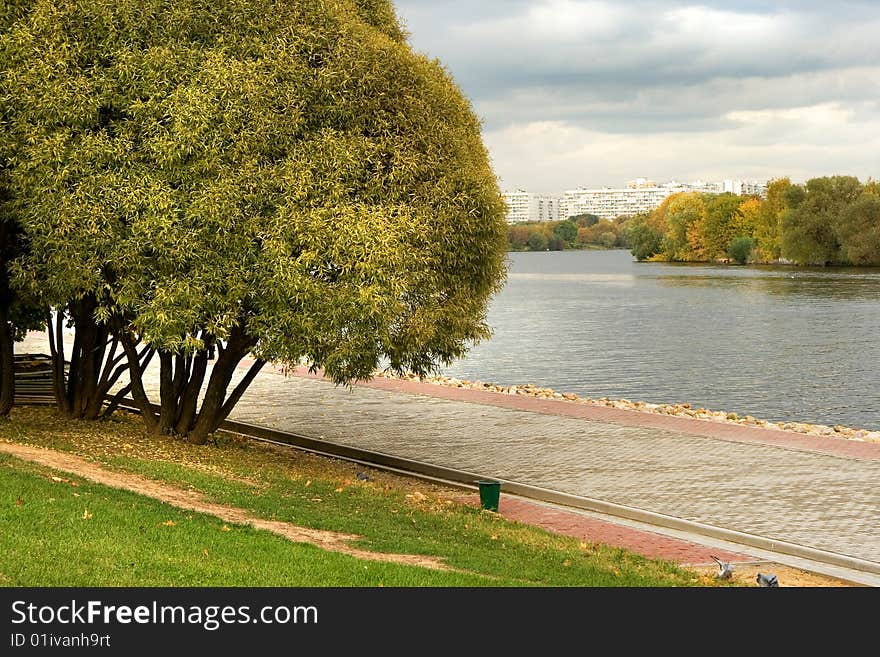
526 206
643 195
744 187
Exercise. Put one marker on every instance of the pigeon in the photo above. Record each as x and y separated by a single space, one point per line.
725 569
768 580
363 476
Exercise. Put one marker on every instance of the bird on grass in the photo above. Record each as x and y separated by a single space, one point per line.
725 569
769 580
363 476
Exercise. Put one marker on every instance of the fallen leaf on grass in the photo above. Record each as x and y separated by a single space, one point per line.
316 499
340 489
308 483
86 515
18 502
225 528
169 523
205 552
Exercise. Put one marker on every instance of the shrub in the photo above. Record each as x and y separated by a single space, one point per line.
740 249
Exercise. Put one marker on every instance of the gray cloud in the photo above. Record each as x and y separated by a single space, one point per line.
661 68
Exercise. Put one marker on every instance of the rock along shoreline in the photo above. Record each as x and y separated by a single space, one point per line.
681 410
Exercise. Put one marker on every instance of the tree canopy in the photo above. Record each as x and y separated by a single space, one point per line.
285 179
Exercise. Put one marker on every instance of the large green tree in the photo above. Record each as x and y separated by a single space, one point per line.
567 231
285 180
808 228
645 240
858 230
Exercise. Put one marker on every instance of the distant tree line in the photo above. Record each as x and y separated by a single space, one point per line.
826 221
583 231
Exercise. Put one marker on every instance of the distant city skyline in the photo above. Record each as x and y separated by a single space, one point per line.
576 93
636 196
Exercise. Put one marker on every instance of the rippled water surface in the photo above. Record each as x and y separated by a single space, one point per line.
778 343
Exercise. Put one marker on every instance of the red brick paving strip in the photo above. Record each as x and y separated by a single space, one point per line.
593 530
722 430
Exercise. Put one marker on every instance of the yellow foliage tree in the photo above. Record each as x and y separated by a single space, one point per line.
767 220
684 215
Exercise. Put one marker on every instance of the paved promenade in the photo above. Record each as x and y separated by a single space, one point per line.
816 492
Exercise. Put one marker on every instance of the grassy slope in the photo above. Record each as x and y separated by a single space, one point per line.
90 535
126 543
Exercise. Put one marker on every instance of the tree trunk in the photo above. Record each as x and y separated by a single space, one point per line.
180 384
86 361
56 349
136 368
108 379
93 370
167 398
214 405
186 412
143 359
80 386
7 364
215 395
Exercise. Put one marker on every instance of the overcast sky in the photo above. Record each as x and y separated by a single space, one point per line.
575 93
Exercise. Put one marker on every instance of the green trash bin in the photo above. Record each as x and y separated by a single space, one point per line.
490 491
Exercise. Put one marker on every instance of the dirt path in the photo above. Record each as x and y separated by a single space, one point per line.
193 501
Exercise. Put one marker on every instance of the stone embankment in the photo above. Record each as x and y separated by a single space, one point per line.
682 410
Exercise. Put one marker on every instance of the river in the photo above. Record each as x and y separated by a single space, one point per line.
778 343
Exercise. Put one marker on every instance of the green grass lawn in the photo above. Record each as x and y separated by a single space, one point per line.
59 534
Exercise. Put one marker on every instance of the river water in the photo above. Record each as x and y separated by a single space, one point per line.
778 343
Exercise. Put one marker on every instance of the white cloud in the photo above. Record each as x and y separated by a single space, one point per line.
816 116
704 26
